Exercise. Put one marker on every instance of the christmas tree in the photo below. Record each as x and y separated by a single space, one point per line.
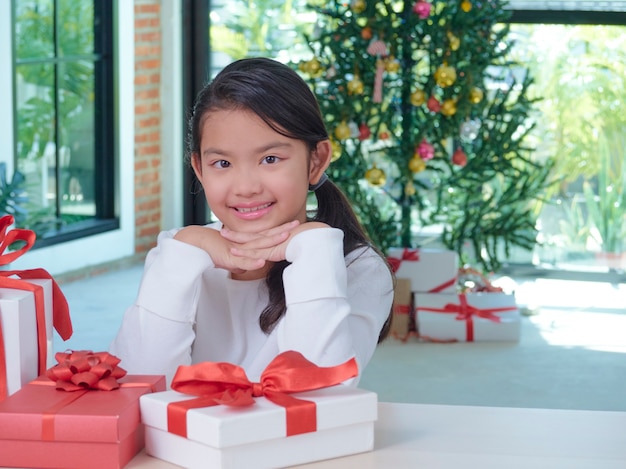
429 118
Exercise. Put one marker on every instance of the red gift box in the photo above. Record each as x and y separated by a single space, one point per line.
42 426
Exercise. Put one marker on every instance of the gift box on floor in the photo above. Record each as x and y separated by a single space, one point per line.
467 317
430 270
302 427
20 329
31 303
403 319
41 426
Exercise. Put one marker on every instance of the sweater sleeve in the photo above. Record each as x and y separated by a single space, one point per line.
157 331
336 306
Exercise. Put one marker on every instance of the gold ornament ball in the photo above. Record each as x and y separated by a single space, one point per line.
375 176
418 97
466 6
355 86
392 65
476 95
336 153
342 131
417 165
313 66
445 76
448 107
358 6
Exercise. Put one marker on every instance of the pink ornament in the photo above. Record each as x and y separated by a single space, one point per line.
422 9
433 105
425 150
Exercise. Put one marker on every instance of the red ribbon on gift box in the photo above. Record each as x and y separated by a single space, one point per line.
61 316
407 255
80 372
412 255
224 383
466 312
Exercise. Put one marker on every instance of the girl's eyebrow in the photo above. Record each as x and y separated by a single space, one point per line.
261 149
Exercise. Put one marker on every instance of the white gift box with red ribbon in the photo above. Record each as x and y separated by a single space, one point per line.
467 317
430 270
256 436
222 420
20 329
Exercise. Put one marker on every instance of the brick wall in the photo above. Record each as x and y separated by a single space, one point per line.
147 123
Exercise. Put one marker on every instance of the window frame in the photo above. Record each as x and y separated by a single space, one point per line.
110 241
102 58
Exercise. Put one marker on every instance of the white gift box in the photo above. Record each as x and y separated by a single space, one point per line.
430 270
19 327
467 317
255 436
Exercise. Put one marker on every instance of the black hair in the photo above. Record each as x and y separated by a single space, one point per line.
284 101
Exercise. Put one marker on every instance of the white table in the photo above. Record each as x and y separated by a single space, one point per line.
440 437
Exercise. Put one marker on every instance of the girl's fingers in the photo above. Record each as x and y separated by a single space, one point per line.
260 240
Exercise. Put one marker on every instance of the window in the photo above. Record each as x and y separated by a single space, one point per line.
62 122
575 51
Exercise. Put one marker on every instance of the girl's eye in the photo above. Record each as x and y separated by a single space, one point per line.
221 164
270 159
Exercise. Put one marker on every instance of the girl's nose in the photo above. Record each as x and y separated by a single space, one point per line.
247 182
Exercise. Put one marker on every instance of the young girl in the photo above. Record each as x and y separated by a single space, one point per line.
265 278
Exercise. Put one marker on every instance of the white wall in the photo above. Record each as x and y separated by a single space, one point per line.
112 245
172 116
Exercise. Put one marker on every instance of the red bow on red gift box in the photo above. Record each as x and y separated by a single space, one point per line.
83 369
225 383
61 316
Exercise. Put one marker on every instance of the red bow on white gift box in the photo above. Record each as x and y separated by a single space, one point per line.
17 279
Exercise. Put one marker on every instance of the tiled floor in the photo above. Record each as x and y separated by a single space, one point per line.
572 353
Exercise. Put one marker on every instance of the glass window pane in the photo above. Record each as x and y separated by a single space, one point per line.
36 139
76 140
581 79
75 28
34 29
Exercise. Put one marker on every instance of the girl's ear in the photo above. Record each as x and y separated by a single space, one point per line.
196 164
320 159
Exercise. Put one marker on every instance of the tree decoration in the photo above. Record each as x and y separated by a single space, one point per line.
459 157
425 150
355 86
417 164
448 107
476 95
449 86
422 9
454 41
358 6
433 104
418 97
342 131
445 76
378 49
364 131
376 176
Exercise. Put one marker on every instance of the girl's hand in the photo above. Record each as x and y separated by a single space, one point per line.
219 245
270 245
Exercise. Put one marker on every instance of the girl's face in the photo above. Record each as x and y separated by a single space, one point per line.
253 177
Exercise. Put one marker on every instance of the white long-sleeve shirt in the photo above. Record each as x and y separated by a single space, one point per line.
188 311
